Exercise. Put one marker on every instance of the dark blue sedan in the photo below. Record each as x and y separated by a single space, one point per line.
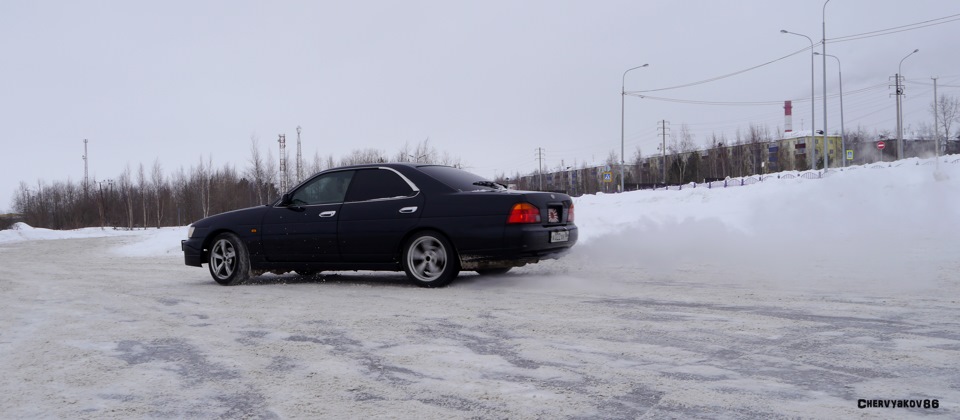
430 221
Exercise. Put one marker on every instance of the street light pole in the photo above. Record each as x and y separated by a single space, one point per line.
843 136
900 106
936 131
823 45
812 151
936 122
623 94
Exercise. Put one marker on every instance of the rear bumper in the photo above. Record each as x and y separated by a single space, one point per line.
192 252
524 244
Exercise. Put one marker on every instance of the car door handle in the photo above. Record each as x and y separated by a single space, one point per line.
330 213
408 209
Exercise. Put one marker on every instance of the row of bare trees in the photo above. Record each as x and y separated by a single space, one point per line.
683 162
150 196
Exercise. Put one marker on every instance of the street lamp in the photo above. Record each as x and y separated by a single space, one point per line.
843 144
812 152
823 45
623 94
900 106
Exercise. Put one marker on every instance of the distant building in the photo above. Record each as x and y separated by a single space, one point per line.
797 142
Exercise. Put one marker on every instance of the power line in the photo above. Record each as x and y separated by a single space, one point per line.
898 29
713 79
910 27
753 103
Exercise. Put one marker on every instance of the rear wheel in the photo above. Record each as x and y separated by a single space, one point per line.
229 261
429 260
493 271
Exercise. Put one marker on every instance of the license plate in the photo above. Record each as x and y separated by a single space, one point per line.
559 236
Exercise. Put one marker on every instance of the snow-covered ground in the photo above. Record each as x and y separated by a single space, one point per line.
792 298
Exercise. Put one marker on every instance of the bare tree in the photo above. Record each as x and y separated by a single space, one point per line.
159 187
256 172
637 165
404 154
180 188
449 160
948 112
321 163
271 176
142 184
125 182
360 156
204 179
682 147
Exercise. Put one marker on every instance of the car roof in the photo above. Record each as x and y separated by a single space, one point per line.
384 164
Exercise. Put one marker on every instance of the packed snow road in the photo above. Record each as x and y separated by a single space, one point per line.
830 298
88 331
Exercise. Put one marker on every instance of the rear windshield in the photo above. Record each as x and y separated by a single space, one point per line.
459 179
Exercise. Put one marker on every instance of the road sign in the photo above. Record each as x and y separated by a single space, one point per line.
881 145
849 154
608 177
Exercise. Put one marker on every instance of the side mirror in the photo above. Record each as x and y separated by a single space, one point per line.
285 200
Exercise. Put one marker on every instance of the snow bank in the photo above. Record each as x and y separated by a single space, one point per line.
876 224
136 243
154 242
24 232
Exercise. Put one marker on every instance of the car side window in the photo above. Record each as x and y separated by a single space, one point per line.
324 189
373 184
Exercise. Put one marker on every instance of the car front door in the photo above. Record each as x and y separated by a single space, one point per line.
303 228
380 208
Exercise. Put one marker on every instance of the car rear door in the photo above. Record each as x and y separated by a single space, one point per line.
380 208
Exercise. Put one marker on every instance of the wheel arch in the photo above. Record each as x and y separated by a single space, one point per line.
398 253
208 240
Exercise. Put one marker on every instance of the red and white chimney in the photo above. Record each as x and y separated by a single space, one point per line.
787 116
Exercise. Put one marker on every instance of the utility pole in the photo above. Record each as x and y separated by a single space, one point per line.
663 150
540 159
283 163
936 131
299 158
86 180
900 105
899 92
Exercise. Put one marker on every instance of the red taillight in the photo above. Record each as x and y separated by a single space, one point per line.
524 213
570 214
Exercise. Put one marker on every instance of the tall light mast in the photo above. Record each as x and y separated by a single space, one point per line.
283 163
299 158
86 172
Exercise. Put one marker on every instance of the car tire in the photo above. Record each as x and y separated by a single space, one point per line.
228 260
493 271
429 260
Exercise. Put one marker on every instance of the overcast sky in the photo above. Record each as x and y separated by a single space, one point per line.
487 81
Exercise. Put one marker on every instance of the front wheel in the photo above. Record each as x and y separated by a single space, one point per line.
229 261
429 260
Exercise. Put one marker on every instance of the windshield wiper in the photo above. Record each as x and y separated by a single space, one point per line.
491 184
